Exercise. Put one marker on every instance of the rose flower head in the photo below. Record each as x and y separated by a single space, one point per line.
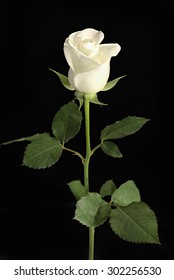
89 60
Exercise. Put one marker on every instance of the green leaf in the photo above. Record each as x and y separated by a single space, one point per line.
122 128
64 80
107 188
28 138
77 189
93 98
92 210
135 223
112 83
126 194
67 121
42 152
111 149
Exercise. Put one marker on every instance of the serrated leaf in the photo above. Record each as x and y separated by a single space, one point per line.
112 83
64 80
42 152
77 189
126 194
107 188
92 210
127 126
67 121
111 149
135 223
27 138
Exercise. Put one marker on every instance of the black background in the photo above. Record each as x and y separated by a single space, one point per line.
36 206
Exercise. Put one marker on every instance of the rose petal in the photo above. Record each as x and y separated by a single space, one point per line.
78 61
84 36
74 47
107 51
71 76
87 41
94 80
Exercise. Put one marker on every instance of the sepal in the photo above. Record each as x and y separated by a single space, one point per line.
92 97
112 83
80 97
64 80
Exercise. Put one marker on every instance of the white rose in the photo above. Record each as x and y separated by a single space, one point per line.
89 60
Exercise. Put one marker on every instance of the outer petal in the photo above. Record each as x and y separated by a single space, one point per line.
107 51
94 80
67 53
78 61
71 76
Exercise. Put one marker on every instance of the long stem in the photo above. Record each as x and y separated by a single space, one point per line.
91 243
86 171
88 144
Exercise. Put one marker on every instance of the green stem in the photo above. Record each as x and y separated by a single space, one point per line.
91 243
86 171
88 144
